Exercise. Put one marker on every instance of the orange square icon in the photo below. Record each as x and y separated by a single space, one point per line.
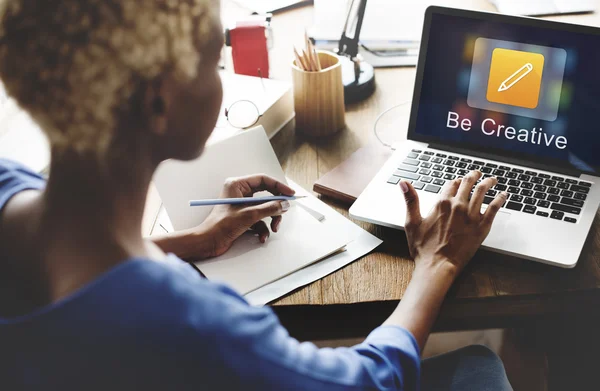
515 78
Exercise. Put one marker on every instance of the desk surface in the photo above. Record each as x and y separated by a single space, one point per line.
494 291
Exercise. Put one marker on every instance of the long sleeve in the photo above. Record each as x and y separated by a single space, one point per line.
258 351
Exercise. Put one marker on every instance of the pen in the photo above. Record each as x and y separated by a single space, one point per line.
243 200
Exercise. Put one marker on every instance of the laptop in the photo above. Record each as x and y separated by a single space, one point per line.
516 98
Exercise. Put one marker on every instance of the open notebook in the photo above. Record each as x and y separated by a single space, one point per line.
248 265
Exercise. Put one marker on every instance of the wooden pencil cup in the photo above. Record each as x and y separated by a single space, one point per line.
319 97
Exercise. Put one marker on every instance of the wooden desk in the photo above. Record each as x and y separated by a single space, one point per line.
494 291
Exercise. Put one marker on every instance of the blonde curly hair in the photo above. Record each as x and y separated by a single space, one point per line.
75 65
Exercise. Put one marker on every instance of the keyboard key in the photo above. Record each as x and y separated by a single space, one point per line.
571 181
491 165
540 188
474 167
416 150
514 182
487 199
449 162
563 185
449 177
580 189
566 193
580 196
531 173
394 180
428 153
462 172
438 167
511 175
464 159
425 158
426 165
437 174
570 220
524 177
406 175
566 208
537 180
505 168
527 185
439 182
585 184
491 193
405 167
550 182
412 155
539 195
441 155
426 179
516 198
411 162
517 170
526 192
432 188
499 172
557 178
451 170
557 215
571 202
486 170
436 160
530 201
529 209
553 198
418 185
500 187
453 157
478 162
544 176
553 190
513 189
461 165
514 206
543 214
543 204
424 171
502 180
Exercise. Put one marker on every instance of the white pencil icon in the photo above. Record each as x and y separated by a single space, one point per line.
515 77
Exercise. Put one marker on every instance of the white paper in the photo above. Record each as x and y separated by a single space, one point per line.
249 265
360 243
178 182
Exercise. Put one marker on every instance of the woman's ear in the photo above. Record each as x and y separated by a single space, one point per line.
156 103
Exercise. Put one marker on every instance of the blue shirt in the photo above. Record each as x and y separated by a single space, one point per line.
145 325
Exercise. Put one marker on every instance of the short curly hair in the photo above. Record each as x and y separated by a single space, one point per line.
75 65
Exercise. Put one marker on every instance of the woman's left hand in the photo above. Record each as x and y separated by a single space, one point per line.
226 223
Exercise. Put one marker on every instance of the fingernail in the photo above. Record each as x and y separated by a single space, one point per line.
505 194
285 205
403 186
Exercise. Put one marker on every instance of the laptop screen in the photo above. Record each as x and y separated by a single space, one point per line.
515 87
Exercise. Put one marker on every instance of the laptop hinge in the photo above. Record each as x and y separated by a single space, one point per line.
484 155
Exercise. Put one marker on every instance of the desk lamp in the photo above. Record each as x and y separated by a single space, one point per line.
357 75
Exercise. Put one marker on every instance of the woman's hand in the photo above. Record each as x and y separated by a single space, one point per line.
226 223
455 228
441 244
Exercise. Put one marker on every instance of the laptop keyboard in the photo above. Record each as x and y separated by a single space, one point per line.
529 191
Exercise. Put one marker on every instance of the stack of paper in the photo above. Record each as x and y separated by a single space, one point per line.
313 239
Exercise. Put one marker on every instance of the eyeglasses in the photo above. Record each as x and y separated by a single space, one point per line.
242 114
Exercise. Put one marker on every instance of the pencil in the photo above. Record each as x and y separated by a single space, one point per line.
243 200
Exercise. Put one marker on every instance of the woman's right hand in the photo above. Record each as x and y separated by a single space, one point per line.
455 228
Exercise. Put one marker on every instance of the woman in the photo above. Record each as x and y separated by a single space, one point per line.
87 303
